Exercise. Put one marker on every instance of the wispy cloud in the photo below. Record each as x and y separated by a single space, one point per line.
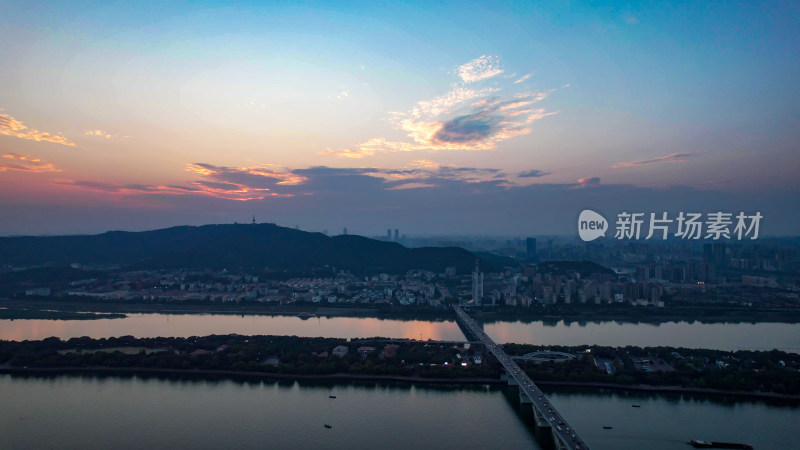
362 151
523 78
269 181
675 157
10 126
589 181
425 164
479 69
464 118
272 174
229 183
23 163
443 104
228 191
103 134
411 186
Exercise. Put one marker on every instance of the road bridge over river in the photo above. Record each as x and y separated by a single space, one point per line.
545 414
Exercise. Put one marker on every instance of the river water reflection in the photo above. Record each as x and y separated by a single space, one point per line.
725 336
86 412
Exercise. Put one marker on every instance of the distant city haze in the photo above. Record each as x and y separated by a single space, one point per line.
431 119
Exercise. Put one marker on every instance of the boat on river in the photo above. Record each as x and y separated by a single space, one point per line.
713 444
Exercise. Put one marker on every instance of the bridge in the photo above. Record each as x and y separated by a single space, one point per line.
545 414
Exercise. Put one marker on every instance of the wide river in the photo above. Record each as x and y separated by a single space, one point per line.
724 336
74 412
87 412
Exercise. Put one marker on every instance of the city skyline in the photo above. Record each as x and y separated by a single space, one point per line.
472 119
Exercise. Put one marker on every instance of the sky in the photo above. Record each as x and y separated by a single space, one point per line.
446 118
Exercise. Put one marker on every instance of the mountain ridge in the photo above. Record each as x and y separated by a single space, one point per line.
232 246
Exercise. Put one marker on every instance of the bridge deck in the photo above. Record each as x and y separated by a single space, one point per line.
563 433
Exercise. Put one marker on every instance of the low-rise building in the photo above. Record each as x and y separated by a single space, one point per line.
340 350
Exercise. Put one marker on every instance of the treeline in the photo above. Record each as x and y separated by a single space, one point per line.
266 354
54 315
752 371
771 371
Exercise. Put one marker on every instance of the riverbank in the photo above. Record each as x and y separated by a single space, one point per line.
568 314
231 374
35 314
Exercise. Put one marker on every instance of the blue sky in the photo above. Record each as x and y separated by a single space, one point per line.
366 115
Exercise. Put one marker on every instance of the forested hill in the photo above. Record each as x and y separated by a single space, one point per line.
232 247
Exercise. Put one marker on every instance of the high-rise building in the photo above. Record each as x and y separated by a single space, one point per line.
708 253
344 231
477 285
530 247
388 234
706 273
642 273
658 271
396 235
634 291
720 253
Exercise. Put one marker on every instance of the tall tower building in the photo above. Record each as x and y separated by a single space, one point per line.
396 235
344 232
530 247
719 252
477 286
388 234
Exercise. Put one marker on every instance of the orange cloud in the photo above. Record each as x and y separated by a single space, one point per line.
227 191
589 181
425 164
22 163
229 183
270 181
286 177
13 127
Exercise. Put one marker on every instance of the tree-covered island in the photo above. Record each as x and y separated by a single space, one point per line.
764 373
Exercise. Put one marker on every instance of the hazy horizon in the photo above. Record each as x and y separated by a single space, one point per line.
405 234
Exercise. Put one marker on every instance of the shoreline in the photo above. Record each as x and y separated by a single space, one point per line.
589 316
229 374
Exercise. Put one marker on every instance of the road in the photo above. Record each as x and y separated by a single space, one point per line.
564 435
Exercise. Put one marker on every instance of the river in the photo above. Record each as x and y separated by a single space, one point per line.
88 412
722 336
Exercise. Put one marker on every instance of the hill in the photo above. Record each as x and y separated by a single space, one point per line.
498 260
233 247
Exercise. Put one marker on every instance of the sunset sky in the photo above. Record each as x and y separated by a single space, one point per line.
432 118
